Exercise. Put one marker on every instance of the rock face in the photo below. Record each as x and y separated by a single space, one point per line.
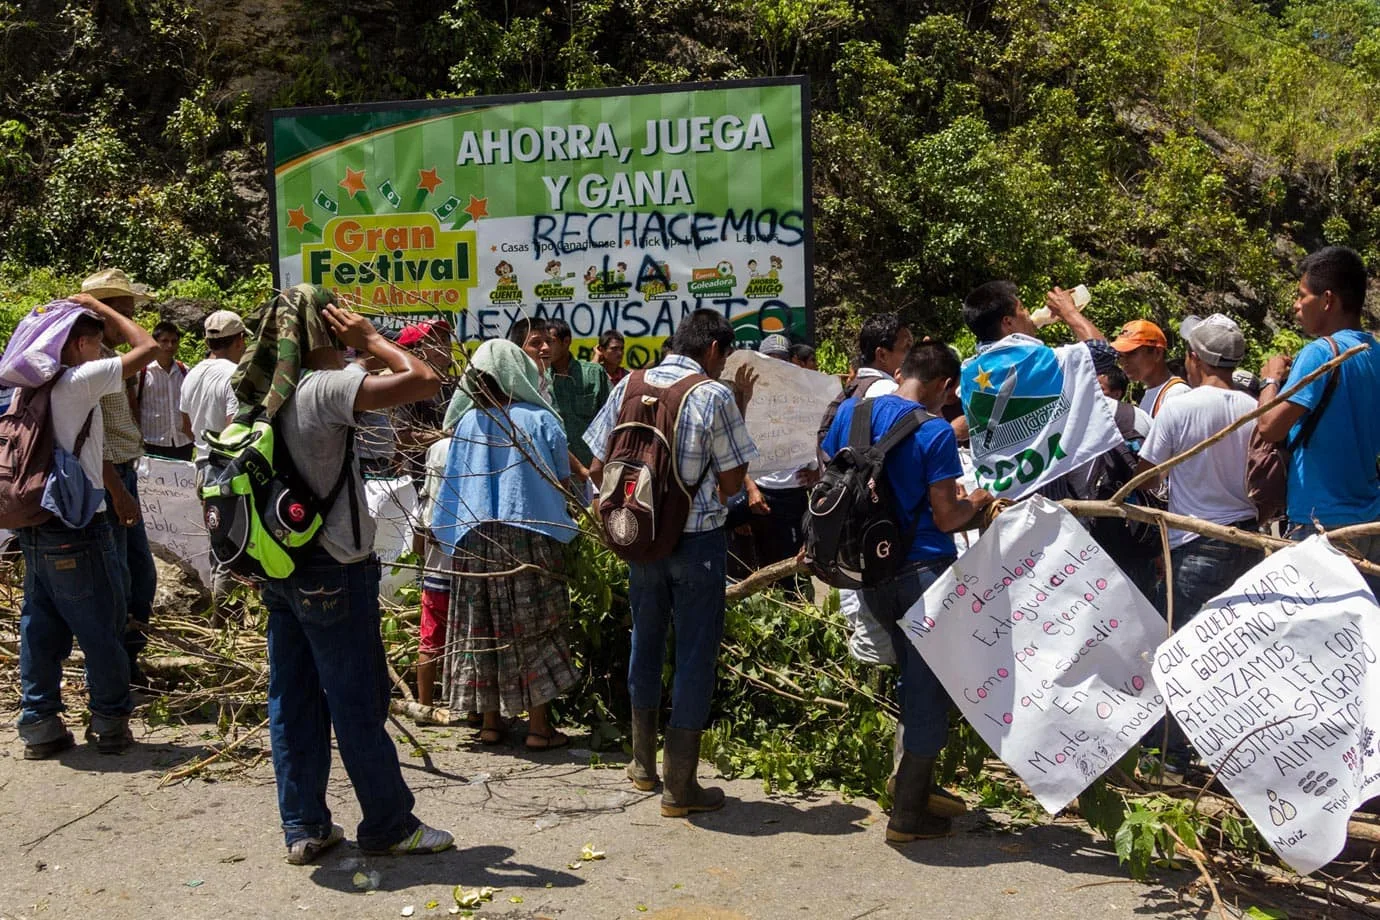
187 313
180 590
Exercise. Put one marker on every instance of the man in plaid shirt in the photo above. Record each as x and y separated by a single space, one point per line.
686 587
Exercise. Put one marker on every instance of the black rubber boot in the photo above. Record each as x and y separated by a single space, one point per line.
910 817
642 767
682 794
115 740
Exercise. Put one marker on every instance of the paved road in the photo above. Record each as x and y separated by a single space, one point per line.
212 849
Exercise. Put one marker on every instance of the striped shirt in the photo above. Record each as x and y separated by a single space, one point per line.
159 394
123 442
713 438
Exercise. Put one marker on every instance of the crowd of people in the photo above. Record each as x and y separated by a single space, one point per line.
492 467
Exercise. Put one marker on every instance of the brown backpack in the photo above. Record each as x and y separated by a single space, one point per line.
643 501
26 456
1267 462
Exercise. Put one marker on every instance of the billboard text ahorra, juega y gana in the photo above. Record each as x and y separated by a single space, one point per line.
612 209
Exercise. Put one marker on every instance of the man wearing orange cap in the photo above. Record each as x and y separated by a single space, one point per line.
1141 346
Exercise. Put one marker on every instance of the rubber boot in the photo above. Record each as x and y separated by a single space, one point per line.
910 818
681 794
943 803
642 767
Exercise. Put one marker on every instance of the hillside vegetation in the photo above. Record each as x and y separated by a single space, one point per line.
1176 155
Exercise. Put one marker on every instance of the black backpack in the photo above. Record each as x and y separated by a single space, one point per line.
852 536
1124 540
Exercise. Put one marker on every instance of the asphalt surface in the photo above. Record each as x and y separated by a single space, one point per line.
94 836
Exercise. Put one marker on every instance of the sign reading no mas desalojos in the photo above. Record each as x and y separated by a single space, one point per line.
612 209
1042 642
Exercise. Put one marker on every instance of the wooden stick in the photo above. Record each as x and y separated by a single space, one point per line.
1154 472
763 578
1197 858
197 766
28 845
1263 542
414 710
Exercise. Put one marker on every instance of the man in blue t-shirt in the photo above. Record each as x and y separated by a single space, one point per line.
1333 478
923 472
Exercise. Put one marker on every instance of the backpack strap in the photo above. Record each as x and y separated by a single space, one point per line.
1159 397
903 428
323 505
1310 424
679 392
83 434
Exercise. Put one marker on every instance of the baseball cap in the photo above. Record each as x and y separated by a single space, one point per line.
775 344
413 334
223 324
1137 334
1216 340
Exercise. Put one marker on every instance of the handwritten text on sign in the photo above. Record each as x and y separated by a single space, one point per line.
1041 641
172 512
1277 686
788 403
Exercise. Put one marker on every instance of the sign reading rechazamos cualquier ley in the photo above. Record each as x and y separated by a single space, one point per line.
611 209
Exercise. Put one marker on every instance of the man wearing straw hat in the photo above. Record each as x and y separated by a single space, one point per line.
124 445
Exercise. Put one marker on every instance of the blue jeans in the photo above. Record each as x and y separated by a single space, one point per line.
924 702
141 578
73 586
1203 568
326 668
687 588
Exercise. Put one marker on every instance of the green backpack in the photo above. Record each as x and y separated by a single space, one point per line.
260 513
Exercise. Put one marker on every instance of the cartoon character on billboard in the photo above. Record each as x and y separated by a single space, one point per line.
507 290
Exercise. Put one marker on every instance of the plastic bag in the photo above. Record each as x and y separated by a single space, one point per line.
34 353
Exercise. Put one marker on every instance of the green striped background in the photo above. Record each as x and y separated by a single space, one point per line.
755 179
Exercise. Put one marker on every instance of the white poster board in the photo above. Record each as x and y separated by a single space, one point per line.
1276 685
788 403
1044 645
172 512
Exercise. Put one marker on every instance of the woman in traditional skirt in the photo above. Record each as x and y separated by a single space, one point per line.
504 511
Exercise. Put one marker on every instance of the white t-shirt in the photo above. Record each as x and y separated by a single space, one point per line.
76 393
1212 485
885 387
1177 388
208 400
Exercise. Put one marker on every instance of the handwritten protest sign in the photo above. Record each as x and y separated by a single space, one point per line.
172 512
1022 398
1276 685
787 405
1043 644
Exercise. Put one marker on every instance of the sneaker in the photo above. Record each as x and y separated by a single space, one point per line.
115 741
423 840
45 749
308 849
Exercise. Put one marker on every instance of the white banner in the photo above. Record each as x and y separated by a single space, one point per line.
1021 397
172 512
1276 685
788 403
1043 644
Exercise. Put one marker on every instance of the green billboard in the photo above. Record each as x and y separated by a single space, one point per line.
610 209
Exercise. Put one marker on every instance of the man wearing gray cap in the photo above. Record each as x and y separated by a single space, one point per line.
1210 485
208 404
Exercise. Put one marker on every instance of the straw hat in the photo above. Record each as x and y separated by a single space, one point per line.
112 282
